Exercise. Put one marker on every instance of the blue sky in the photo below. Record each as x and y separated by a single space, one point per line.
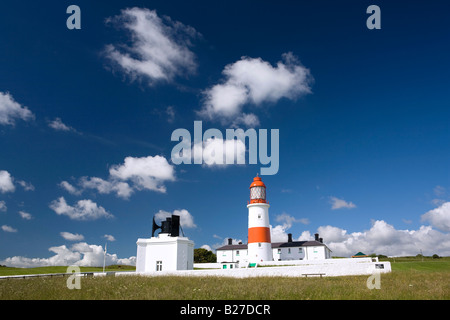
86 118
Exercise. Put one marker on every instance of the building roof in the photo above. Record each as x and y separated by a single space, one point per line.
359 255
275 245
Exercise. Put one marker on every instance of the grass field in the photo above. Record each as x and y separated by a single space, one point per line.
411 279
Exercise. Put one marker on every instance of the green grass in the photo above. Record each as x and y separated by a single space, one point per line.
410 279
425 266
9 271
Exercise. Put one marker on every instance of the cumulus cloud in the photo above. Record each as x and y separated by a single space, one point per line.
10 110
439 217
337 203
145 172
135 173
6 182
279 232
158 48
186 219
254 81
82 210
71 236
80 254
383 238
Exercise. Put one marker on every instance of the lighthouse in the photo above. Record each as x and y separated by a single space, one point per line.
259 245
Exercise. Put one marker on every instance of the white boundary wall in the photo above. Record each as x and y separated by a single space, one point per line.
327 267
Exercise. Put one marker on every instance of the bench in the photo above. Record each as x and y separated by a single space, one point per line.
313 274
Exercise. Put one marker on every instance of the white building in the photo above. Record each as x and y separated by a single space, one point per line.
281 251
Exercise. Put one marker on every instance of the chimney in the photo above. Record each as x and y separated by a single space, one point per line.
289 237
230 241
316 235
321 240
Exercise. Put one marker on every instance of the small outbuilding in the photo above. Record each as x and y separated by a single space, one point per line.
360 255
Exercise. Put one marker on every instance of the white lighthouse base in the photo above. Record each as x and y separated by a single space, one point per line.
164 253
259 251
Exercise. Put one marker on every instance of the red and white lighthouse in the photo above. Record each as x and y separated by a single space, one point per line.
259 246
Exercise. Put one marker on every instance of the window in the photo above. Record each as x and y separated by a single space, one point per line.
289 250
258 193
300 250
259 215
279 251
259 244
237 253
158 265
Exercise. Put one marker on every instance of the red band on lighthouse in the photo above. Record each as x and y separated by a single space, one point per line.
258 234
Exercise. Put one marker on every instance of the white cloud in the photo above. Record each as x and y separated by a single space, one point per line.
6 182
341 203
134 174
71 236
439 191
159 47
109 237
58 125
439 217
145 172
254 81
170 112
8 228
383 238
70 188
122 189
225 242
442 195
10 110
279 232
25 215
186 219
207 247
219 152
83 209
3 206
27 186
81 254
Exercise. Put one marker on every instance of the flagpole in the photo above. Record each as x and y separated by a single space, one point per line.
104 256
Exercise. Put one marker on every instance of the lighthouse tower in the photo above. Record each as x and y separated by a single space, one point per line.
259 246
